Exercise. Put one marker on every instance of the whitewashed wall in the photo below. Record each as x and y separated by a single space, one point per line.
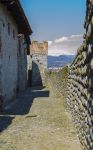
9 48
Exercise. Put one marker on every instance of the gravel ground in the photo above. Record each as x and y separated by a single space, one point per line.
37 120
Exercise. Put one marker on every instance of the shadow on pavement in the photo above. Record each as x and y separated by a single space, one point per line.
21 106
5 121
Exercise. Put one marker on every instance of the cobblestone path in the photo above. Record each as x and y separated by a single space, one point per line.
37 120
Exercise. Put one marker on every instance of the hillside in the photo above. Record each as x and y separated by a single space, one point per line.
59 61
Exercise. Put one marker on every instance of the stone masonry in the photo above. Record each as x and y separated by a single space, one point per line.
39 52
13 49
80 84
22 64
8 56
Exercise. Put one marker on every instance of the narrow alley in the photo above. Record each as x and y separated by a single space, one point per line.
37 120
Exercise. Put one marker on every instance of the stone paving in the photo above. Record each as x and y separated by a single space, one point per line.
37 120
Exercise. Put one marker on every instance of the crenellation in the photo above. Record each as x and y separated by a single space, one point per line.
39 48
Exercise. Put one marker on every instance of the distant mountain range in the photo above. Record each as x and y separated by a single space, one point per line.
59 61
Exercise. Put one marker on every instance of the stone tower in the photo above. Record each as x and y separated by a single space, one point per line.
39 52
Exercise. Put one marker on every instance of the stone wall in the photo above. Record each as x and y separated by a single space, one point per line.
29 70
39 48
77 86
13 57
22 64
39 52
80 84
8 54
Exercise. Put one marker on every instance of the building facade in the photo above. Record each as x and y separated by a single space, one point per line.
39 52
14 46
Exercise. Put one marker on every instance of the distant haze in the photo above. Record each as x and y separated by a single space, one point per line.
59 61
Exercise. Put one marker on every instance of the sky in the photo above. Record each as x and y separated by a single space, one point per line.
60 22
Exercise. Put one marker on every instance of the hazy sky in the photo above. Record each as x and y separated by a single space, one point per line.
58 21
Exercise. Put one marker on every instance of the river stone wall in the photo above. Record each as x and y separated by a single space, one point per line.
77 86
80 84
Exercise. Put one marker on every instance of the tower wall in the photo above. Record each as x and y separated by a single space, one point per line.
39 52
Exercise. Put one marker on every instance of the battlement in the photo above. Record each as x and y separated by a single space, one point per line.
39 48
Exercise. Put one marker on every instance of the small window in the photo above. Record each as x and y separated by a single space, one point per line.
13 34
24 52
8 28
0 44
3 25
19 48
